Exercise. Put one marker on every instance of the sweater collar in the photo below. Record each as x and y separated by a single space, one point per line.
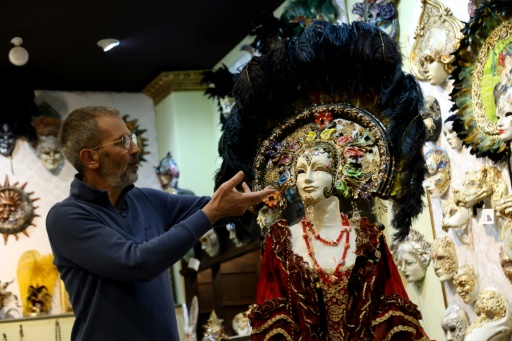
82 191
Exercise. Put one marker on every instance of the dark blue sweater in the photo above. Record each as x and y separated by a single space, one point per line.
114 263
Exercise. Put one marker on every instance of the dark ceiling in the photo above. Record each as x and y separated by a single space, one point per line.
156 36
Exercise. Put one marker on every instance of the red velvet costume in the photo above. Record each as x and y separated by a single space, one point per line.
293 304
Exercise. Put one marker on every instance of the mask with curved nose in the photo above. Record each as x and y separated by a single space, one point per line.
313 175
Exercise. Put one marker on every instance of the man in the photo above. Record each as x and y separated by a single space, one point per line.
113 242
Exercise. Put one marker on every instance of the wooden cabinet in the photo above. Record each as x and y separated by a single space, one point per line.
226 283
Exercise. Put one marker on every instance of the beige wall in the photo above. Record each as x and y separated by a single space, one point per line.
187 125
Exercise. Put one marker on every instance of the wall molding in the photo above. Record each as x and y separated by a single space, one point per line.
170 81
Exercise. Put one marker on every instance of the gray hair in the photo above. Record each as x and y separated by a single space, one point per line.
80 130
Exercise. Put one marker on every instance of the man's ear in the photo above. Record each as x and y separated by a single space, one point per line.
90 158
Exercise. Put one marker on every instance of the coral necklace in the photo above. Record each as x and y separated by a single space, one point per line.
345 230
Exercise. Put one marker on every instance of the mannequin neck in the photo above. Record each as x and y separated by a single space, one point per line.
326 213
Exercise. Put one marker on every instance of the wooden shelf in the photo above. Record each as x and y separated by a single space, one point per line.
228 255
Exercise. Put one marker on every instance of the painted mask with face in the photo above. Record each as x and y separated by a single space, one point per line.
466 282
439 172
314 174
454 323
412 256
7 140
454 216
434 66
210 243
168 174
444 257
504 115
451 135
432 118
48 150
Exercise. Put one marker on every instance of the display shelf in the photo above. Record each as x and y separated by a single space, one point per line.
35 318
230 254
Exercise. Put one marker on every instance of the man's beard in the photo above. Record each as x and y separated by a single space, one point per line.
114 177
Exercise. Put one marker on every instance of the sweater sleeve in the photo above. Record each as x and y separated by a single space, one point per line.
83 236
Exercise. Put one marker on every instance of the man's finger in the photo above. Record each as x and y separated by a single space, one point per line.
246 188
235 180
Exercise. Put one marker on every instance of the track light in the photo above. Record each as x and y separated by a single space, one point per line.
108 44
18 55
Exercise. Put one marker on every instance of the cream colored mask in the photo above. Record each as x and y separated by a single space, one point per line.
494 321
439 172
444 257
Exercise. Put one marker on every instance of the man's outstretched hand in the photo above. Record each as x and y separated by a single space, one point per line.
227 201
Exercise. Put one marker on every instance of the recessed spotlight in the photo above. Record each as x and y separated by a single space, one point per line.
108 44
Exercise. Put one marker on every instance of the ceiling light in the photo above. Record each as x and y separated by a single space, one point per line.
108 44
18 55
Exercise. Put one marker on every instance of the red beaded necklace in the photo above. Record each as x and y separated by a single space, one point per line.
345 227
345 230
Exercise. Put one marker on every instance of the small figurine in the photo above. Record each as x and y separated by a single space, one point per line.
214 328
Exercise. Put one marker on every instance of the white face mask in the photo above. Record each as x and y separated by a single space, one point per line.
504 116
454 323
210 243
313 176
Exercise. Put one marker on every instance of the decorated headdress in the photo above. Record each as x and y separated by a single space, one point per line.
341 86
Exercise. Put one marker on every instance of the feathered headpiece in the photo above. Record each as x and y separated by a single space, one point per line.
341 85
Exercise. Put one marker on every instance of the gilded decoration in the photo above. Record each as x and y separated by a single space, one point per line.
438 34
354 134
142 142
16 209
482 74
479 185
490 306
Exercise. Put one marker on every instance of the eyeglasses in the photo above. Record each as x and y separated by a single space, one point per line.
125 140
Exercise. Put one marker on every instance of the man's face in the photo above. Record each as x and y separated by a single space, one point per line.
118 166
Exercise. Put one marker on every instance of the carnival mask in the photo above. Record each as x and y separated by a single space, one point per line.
439 172
506 264
432 118
444 257
504 114
451 136
434 67
168 173
494 321
267 216
7 140
454 216
466 281
454 323
313 171
210 243
412 256
480 184
48 150
227 103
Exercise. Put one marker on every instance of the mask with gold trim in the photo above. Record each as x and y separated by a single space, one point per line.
302 93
